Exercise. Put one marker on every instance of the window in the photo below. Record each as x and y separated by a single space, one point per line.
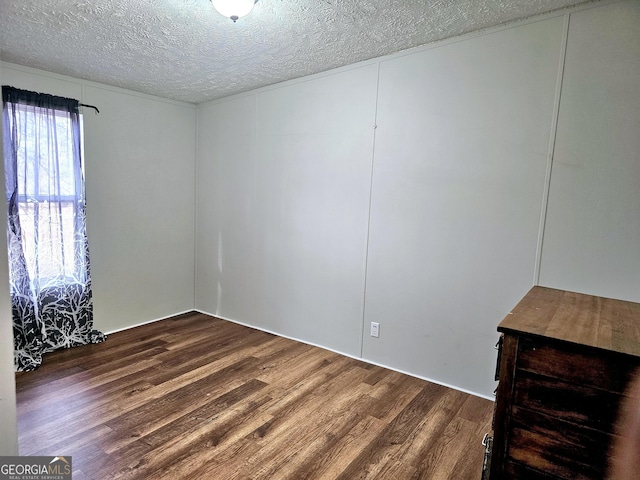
46 171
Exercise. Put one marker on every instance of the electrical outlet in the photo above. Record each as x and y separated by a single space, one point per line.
375 329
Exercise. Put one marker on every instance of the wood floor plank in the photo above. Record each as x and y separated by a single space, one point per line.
407 460
372 460
95 385
335 417
180 439
196 397
458 434
343 451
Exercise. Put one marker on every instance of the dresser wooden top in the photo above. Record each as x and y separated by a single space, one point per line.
577 318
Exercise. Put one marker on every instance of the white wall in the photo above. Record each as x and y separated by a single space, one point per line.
283 194
461 172
8 423
8 416
225 196
592 234
139 165
460 161
140 155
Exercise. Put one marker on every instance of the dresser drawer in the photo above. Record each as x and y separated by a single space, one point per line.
557 447
514 470
584 406
575 364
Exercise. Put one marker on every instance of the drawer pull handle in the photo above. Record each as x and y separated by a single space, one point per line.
498 347
487 442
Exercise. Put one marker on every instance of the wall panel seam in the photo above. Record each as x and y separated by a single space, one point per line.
368 227
550 153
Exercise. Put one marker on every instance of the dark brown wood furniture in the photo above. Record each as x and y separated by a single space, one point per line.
564 362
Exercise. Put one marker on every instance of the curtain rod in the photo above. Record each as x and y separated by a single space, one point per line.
90 106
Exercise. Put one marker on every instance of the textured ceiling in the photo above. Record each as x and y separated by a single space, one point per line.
185 50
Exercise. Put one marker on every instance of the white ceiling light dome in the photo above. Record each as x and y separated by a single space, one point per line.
234 9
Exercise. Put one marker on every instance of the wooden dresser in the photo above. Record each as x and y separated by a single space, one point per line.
563 365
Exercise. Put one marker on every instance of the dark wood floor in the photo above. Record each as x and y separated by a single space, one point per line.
198 397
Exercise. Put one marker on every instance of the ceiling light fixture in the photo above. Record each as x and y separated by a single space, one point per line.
234 9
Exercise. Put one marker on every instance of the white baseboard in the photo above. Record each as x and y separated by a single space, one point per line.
152 321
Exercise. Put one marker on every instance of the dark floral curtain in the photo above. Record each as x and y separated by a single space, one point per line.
46 235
